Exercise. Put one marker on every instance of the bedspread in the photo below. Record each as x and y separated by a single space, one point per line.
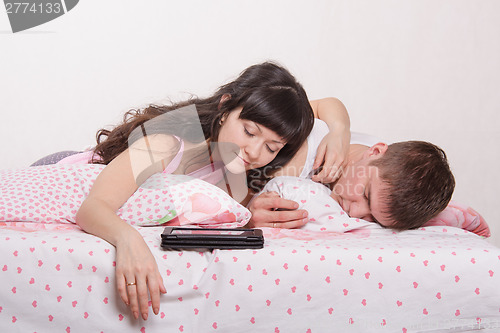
56 278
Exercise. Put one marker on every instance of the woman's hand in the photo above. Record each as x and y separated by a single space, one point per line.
137 275
332 155
270 210
333 149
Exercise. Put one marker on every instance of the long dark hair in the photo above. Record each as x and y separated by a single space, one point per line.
268 95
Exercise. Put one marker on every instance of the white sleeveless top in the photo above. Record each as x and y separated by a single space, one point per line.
320 129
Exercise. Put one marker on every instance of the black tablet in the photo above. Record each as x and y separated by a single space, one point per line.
192 238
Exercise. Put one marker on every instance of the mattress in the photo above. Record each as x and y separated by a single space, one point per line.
57 278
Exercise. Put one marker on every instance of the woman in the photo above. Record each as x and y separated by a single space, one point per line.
254 124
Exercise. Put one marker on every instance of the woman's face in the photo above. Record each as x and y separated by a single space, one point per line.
244 144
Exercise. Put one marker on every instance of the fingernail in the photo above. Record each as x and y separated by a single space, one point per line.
304 221
295 205
305 214
145 316
156 310
136 315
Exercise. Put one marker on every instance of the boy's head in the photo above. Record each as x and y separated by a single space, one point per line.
400 186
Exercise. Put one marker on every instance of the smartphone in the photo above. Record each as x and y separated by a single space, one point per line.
192 238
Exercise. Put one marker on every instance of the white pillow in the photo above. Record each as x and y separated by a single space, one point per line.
324 213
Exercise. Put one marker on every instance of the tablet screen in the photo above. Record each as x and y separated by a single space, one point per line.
206 232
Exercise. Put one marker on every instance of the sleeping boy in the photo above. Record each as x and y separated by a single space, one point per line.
401 186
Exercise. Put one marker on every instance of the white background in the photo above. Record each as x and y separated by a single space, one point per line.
414 69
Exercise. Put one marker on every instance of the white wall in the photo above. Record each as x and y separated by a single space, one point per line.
405 70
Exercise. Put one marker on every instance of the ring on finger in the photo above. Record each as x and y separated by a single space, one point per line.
131 284
274 225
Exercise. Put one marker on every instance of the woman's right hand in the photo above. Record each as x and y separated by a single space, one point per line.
137 275
332 155
270 210
334 147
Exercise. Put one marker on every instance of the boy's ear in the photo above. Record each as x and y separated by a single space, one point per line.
223 99
377 150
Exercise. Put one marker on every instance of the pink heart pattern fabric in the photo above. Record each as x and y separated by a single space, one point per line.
54 193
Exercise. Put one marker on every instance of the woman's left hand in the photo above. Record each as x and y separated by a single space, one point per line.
332 155
137 275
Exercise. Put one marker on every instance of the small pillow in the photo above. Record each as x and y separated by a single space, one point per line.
54 193
166 199
44 194
461 216
324 213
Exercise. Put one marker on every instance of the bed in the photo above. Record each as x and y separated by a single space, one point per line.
57 278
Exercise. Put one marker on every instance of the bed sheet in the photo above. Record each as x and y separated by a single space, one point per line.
56 278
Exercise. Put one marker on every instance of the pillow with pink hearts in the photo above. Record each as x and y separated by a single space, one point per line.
45 194
167 199
54 193
461 216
